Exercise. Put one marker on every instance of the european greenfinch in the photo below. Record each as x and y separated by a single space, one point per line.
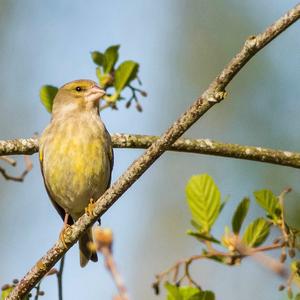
76 155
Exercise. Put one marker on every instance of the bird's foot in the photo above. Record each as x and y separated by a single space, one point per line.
64 233
90 208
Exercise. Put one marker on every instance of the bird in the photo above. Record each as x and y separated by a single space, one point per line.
76 155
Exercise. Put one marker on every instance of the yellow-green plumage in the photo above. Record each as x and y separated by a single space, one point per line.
76 154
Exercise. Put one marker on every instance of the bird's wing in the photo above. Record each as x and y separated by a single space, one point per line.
111 159
110 152
58 208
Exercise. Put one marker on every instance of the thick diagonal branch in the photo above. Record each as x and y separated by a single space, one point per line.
207 100
198 146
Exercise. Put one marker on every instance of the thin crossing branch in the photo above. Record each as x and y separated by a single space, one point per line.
198 146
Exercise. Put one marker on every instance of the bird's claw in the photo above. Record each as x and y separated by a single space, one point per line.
63 233
90 208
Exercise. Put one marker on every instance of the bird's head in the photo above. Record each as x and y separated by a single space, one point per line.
77 96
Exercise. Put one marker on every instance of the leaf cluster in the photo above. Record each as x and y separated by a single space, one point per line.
113 78
240 240
204 201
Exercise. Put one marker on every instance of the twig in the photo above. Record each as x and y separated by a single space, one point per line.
267 261
197 146
112 268
9 160
20 178
59 278
214 94
37 292
281 199
103 243
233 256
104 106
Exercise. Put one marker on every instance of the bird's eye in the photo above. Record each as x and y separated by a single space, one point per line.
78 88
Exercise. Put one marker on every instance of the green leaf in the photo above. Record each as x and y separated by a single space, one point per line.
206 295
196 225
125 73
6 292
47 94
269 202
297 297
204 200
183 292
202 236
189 293
111 55
98 74
173 292
256 232
98 58
240 215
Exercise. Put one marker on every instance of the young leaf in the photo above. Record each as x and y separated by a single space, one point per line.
173 292
6 292
269 202
47 94
111 55
183 292
204 200
202 236
196 225
125 73
206 295
240 215
98 58
256 232
189 293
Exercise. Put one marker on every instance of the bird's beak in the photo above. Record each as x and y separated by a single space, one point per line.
94 93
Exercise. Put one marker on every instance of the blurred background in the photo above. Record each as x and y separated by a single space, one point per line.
181 46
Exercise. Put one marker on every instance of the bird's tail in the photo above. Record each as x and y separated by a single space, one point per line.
86 253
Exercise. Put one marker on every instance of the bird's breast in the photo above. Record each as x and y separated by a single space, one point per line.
75 163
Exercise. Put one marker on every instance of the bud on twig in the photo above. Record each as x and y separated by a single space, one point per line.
143 93
103 237
292 252
139 107
282 257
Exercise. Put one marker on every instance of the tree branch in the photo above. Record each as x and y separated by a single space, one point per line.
198 146
214 94
242 253
20 178
211 147
19 146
